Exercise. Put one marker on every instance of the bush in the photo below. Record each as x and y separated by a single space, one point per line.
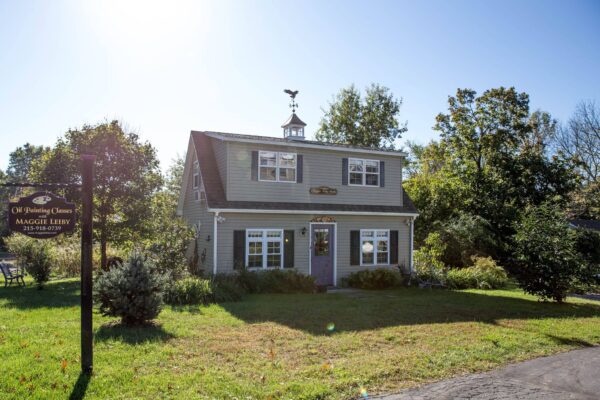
67 257
379 278
190 290
275 281
484 274
428 259
133 291
34 254
226 288
546 255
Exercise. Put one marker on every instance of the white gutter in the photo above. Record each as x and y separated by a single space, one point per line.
215 239
305 145
256 211
412 235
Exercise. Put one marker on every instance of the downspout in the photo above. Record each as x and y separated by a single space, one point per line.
215 240
412 226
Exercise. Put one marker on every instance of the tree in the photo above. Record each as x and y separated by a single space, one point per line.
499 152
545 250
371 122
126 177
21 160
579 140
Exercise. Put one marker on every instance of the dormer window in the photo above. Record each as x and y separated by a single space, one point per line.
363 172
277 166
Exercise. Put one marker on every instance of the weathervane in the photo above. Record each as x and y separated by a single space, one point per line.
292 93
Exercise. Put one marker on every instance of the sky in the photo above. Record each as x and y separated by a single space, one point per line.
167 67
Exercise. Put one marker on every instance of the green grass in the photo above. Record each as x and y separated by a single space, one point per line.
278 346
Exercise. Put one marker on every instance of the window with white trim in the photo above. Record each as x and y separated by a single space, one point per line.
264 248
363 172
196 180
374 246
276 166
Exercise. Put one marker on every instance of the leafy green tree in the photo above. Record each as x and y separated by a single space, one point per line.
545 250
127 175
371 121
21 160
171 235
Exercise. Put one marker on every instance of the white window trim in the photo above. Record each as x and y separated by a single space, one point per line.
264 241
277 166
375 240
197 195
364 172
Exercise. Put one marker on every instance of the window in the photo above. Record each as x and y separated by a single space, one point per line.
277 167
363 172
264 248
196 181
375 246
321 242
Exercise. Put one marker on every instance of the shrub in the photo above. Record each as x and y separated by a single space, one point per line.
190 290
226 288
546 255
169 248
34 254
67 257
133 291
275 281
379 278
484 274
428 259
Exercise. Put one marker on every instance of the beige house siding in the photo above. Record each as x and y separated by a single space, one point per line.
321 168
345 223
194 212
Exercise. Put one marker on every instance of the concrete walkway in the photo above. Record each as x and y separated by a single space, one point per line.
571 375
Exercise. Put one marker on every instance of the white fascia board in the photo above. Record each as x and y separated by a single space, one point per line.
306 145
257 211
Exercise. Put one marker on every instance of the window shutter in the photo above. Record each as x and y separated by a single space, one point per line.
344 171
254 165
394 247
239 249
299 166
354 247
381 174
288 249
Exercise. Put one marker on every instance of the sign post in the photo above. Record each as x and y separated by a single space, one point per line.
44 215
87 180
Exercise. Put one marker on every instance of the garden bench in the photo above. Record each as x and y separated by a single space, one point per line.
11 274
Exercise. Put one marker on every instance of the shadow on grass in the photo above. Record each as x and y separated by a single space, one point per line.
132 334
570 341
54 294
407 306
78 392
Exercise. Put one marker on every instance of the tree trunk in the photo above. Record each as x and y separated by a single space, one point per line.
103 258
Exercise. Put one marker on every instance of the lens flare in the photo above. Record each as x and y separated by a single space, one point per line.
363 393
330 327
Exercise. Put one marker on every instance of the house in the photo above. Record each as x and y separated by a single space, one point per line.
324 209
585 224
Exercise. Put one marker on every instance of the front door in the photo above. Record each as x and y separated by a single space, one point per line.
322 248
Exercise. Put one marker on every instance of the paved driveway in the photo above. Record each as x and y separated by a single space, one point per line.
571 375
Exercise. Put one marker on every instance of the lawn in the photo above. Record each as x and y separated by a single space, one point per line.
320 346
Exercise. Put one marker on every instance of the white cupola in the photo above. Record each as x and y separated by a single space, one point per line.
293 128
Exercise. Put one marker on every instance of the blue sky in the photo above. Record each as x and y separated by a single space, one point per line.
168 67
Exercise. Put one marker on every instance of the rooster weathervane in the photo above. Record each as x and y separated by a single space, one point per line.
292 93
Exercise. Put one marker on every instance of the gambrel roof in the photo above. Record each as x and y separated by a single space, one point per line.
215 191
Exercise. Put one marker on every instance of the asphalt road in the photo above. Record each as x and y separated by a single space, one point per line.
570 375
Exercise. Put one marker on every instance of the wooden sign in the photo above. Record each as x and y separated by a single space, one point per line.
323 218
323 190
42 215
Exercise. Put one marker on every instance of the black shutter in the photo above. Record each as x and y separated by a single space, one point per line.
254 166
354 247
393 247
299 166
381 174
239 249
344 171
288 249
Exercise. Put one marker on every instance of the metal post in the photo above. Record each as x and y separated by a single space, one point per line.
87 178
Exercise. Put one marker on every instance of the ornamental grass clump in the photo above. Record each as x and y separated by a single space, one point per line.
132 291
